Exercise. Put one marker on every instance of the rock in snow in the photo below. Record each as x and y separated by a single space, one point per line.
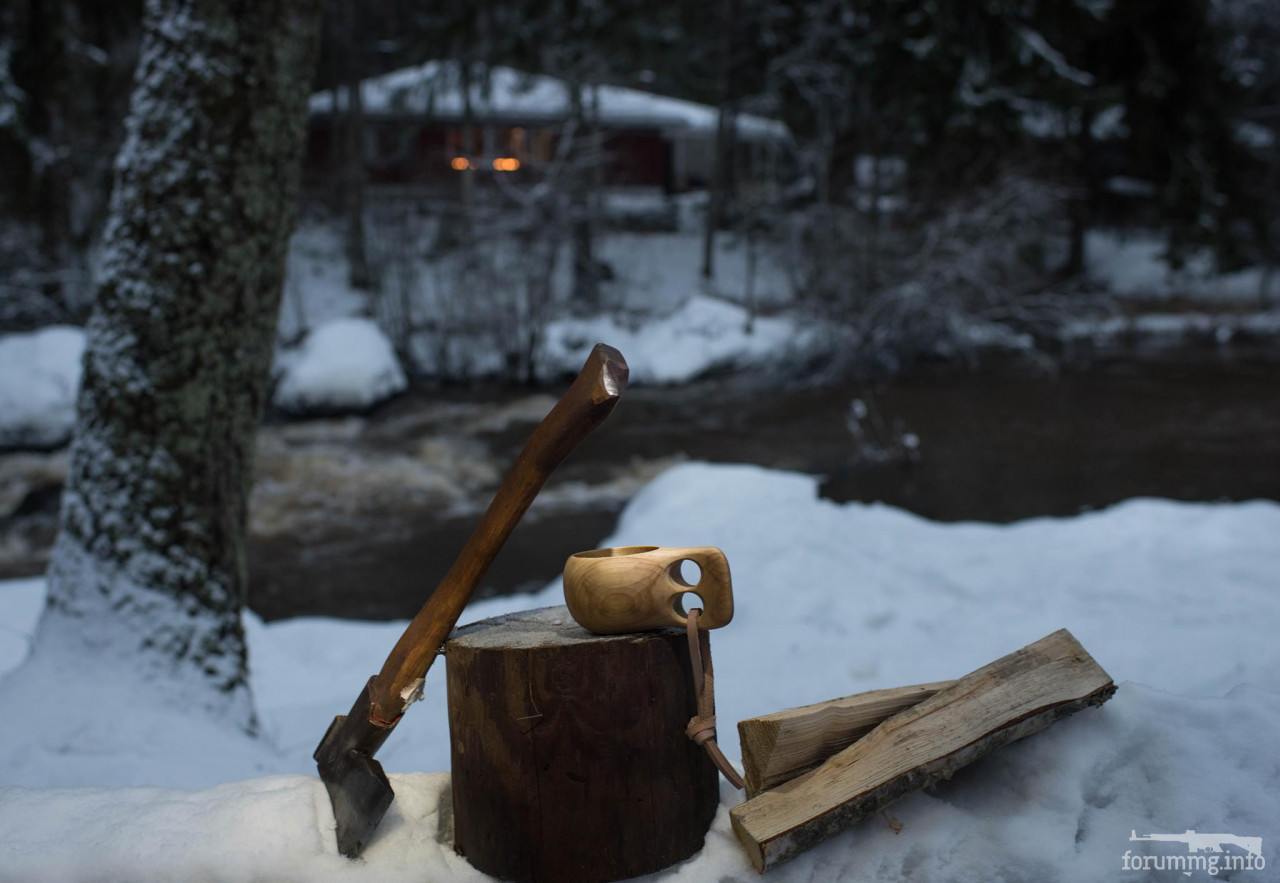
39 378
343 365
1177 601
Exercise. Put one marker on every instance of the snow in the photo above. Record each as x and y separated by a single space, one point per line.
703 335
433 88
1135 265
1038 46
1156 330
1176 600
657 298
39 378
317 283
343 365
1110 124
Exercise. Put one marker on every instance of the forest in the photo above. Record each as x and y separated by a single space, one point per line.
947 167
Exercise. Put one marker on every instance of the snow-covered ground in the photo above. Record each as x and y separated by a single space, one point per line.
673 325
699 336
678 325
39 376
343 365
1155 330
1134 264
1177 601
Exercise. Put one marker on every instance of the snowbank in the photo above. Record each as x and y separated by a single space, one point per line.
344 365
1134 265
318 282
1177 601
702 335
1153 331
39 378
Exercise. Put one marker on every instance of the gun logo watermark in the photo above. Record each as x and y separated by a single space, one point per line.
1204 853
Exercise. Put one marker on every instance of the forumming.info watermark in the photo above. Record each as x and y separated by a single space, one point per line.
1207 853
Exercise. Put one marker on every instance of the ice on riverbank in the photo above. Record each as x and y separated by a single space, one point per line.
1175 600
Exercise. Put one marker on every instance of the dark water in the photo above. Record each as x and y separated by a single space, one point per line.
995 446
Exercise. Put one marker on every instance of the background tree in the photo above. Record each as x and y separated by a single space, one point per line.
149 565
64 84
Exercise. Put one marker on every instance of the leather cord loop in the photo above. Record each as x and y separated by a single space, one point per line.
702 726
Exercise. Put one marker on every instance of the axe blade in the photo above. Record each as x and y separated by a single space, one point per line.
358 788
360 794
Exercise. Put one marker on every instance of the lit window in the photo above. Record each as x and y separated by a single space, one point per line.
506 164
459 163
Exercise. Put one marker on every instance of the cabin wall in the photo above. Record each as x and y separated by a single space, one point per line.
427 156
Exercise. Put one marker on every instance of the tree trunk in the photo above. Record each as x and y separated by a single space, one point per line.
359 275
149 565
586 278
353 178
569 754
723 160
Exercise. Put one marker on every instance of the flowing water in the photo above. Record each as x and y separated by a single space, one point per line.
360 517
995 447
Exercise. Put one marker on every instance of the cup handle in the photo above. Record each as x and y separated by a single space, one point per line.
715 586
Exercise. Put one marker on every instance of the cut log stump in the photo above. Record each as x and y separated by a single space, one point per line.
570 760
1013 697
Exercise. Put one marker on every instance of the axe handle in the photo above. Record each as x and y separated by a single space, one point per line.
583 407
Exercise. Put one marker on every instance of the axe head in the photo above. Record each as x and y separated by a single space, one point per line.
358 788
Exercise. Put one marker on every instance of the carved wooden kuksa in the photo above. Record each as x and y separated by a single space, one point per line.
634 588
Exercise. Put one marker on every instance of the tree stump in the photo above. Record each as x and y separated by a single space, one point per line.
570 760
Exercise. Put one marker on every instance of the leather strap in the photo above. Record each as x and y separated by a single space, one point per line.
702 726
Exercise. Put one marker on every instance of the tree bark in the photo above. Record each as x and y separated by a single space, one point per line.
359 273
586 273
569 755
722 169
149 565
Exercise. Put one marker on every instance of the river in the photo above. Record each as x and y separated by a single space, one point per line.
993 446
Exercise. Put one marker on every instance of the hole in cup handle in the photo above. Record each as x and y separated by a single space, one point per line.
686 573
714 585
683 602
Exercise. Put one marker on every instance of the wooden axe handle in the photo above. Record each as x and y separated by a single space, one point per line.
586 404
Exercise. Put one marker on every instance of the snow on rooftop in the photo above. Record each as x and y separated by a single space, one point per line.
433 89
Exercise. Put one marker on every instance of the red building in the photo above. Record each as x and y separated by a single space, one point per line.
419 133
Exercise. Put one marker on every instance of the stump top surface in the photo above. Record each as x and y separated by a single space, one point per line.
544 627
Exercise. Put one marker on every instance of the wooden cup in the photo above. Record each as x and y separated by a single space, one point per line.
636 588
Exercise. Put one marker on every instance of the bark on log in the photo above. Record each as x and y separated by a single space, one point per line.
1013 697
779 746
570 760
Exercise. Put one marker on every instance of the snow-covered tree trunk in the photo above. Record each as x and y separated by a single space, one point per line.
149 566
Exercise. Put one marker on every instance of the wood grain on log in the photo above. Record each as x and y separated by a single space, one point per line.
1006 700
570 760
779 746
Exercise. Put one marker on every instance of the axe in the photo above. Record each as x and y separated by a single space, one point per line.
357 786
